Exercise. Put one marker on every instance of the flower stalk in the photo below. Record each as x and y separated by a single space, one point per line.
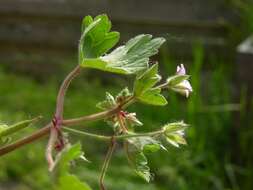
117 137
106 162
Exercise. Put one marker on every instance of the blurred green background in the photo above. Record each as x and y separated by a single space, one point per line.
219 155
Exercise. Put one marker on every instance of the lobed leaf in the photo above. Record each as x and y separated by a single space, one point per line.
145 144
142 169
143 87
130 58
139 146
69 153
153 97
147 80
96 37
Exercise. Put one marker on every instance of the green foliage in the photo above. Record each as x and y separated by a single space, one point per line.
145 144
6 130
139 163
111 101
147 80
68 181
108 103
62 166
143 87
141 166
96 37
153 97
127 59
136 150
123 95
69 153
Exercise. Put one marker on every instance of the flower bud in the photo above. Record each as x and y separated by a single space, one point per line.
174 133
179 82
131 118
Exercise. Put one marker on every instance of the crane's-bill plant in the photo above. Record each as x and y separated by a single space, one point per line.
129 59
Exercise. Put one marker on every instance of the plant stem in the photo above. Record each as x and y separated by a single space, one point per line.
93 117
69 122
117 137
98 137
163 85
26 140
58 117
63 89
149 134
106 162
18 126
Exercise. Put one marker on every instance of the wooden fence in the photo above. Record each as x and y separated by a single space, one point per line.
34 32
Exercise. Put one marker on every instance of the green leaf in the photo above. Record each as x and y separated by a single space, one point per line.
68 154
146 81
153 97
141 167
143 87
66 181
145 144
130 58
108 103
6 130
69 182
139 163
135 150
96 37
86 22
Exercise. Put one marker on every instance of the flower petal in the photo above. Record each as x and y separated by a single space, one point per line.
181 70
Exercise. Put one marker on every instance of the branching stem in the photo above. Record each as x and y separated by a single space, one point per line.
69 122
58 117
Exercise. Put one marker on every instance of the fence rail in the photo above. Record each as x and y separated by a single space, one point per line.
42 27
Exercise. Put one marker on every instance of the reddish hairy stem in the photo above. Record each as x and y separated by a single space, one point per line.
58 117
63 89
26 140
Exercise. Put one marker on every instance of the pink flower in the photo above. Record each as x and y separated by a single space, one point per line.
180 84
